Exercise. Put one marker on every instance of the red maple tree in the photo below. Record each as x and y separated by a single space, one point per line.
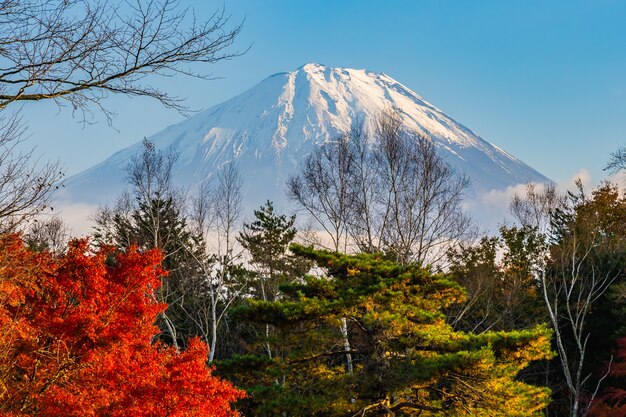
76 333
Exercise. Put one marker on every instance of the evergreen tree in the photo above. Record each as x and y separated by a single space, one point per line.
160 224
406 359
267 241
152 217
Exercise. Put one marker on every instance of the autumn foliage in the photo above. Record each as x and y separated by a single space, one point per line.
76 339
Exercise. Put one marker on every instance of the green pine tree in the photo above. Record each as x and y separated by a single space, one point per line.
406 359
267 241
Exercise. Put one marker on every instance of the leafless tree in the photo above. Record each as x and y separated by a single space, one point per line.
78 52
395 194
143 216
419 195
579 280
81 51
227 199
113 224
364 224
198 245
617 162
390 191
26 186
150 172
536 206
323 189
47 234
215 216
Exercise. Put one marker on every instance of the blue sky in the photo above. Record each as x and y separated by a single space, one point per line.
544 80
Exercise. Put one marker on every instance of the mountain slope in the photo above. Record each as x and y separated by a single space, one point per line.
270 128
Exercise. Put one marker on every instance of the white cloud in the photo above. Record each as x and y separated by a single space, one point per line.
619 179
491 208
582 175
76 216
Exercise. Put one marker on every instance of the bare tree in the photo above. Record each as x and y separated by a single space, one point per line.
364 225
419 195
150 172
198 245
323 189
228 208
114 224
390 192
209 295
78 52
150 216
395 195
50 235
215 217
81 51
26 186
536 206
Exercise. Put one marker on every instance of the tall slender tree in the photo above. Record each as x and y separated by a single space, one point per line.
583 262
221 280
267 241
587 259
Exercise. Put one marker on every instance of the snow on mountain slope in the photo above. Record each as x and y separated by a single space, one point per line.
270 128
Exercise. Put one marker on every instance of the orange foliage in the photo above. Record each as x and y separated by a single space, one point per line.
75 339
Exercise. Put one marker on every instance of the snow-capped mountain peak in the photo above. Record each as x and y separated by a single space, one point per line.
269 129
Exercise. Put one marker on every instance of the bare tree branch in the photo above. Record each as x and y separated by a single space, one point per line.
391 192
617 162
26 185
81 51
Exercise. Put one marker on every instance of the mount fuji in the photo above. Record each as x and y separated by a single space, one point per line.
270 128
